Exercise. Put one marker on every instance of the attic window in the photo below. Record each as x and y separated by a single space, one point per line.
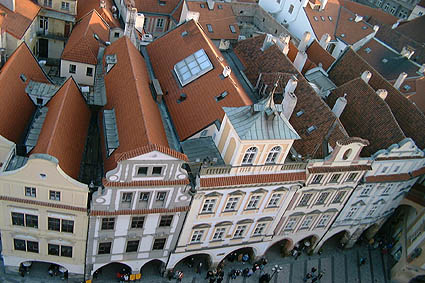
221 96
202 5
220 7
364 27
350 19
385 60
342 35
299 113
315 18
111 131
367 50
184 33
209 27
192 67
23 77
311 129
232 29
406 87
162 3
330 18
323 18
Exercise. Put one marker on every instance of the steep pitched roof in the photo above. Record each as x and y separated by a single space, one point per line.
417 92
314 111
350 31
201 107
17 22
86 6
350 66
220 19
16 107
369 12
324 21
412 29
65 128
318 55
366 115
137 115
82 46
170 8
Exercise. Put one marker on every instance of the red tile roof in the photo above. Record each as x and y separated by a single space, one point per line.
327 169
219 19
388 178
16 108
418 97
200 108
325 25
350 31
369 12
148 148
138 211
64 132
318 55
17 22
316 111
171 8
86 6
252 179
82 46
148 183
414 29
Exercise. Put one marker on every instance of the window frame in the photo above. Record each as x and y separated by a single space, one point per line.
49 246
65 6
335 178
208 205
353 210
352 177
196 237
159 194
219 232
233 201
319 200
51 225
15 241
31 192
126 197
273 155
166 220
322 223
259 229
31 221
276 200
104 248
72 69
89 74
56 195
130 248
253 202
240 231
160 23
106 223
155 242
340 200
210 28
317 179
142 168
249 156
290 224
14 216
65 224
302 201
135 222
142 196
33 247
307 219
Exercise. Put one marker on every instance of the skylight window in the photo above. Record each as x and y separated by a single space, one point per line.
111 131
367 50
232 29
209 27
315 18
221 96
202 5
220 7
406 87
299 113
311 129
330 18
323 18
192 67
364 27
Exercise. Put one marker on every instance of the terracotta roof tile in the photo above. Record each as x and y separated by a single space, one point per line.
252 179
219 19
148 183
418 97
321 26
369 12
17 22
64 132
315 170
318 55
411 29
16 108
350 31
139 211
200 108
82 46
86 6
418 172
350 66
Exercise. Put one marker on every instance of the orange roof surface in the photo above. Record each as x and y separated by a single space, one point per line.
17 22
200 108
220 19
64 130
82 46
170 7
348 30
419 93
318 55
324 21
137 115
369 12
86 6
16 108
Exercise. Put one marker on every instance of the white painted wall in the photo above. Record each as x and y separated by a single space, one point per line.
80 75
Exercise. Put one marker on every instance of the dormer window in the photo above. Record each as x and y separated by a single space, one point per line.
249 156
273 154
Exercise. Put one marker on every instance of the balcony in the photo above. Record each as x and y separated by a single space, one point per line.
253 169
51 35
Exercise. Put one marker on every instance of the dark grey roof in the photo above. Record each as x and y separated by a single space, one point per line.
202 149
16 162
41 90
35 128
110 130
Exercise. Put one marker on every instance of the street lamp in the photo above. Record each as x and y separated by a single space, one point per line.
276 269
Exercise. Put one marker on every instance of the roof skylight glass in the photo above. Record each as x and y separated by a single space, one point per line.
192 67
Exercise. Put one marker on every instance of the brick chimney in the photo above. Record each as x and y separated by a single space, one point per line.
407 52
102 4
400 80
366 76
324 40
289 99
210 4
283 43
339 106
10 4
382 93
304 41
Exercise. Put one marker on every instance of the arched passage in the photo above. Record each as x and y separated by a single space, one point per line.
237 255
338 240
111 271
153 268
307 244
41 269
280 249
193 262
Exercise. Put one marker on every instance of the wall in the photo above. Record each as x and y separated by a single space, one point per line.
80 74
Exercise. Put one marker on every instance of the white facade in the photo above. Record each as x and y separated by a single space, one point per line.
79 71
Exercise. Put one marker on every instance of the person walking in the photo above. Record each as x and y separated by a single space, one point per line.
209 274
180 276
219 279
199 268
362 261
307 276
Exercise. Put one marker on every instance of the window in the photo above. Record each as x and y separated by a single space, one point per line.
160 196
157 171
66 251
31 220
322 198
65 6
338 198
53 224
108 223
117 34
53 249
30 192
240 230
104 248
273 154
32 247
160 23
366 190
253 202
372 210
142 171
48 3
335 178
137 222
323 220
383 170
392 10
18 219
144 197
19 245
352 177
307 222
305 199
291 9
166 220
89 72
68 226
278 1
55 195
232 28
259 229
274 200
219 233
388 189
317 179
209 27
249 156
352 211
197 236
290 224
132 246
126 197
220 7
192 67
208 205
231 204
396 169
159 244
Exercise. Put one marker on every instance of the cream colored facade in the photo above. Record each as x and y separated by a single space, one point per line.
32 195
81 71
29 37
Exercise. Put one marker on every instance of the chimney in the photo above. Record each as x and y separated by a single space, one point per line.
210 4
366 76
291 85
339 106
300 60
407 52
323 4
395 25
10 4
382 93
268 41
140 21
102 4
422 69
324 41
304 41
375 28
400 80
283 43
358 18
288 104
226 71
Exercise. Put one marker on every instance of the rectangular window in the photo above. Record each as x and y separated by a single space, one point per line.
68 226
159 244
132 246
55 195
231 204
108 223
32 247
291 9
232 28
19 245
117 34
335 178
66 251
104 248
48 3
160 196
142 171
338 198
18 219
253 202
53 249
372 210
322 198
53 224
89 72
197 236
274 200
352 211
31 220
323 220
208 206
127 197
209 27
72 69
219 233
290 224
305 199
366 190
317 179
388 189
137 222
160 23
30 192
192 67
65 6
157 171
307 222
240 230
352 177
144 197
166 221
259 229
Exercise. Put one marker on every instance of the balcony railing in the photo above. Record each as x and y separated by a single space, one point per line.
259 169
51 35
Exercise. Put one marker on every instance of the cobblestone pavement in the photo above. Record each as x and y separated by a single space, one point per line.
338 265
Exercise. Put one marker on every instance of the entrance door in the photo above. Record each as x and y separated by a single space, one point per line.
43 48
44 25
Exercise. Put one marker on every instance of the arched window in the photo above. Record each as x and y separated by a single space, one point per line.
271 158
249 156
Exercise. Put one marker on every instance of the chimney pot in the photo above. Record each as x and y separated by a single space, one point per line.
210 4
358 18
366 76
324 40
226 71
400 80
288 104
102 4
323 4
291 85
407 52
375 28
268 41
339 106
382 93
304 41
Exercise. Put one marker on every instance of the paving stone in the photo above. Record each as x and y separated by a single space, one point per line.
338 268
298 273
285 274
326 267
365 269
352 266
